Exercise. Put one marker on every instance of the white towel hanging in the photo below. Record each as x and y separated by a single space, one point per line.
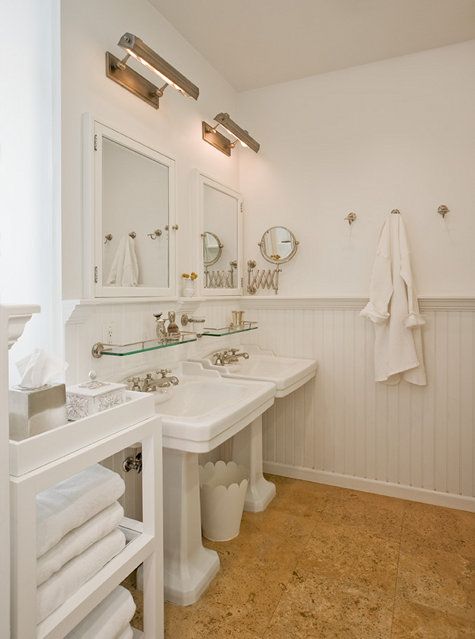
394 309
125 268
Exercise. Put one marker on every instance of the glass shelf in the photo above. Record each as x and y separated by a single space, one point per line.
121 350
229 330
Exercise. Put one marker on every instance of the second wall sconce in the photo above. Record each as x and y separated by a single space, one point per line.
211 135
118 71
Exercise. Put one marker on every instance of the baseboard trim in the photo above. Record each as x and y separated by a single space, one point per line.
389 489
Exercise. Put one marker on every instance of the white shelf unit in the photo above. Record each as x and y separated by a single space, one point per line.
145 545
13 319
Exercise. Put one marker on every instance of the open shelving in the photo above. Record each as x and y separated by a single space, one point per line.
229 330
121 350
144 538
134 348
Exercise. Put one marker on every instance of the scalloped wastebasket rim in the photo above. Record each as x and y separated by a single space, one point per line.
213 475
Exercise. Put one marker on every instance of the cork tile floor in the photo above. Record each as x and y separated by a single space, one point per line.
329 563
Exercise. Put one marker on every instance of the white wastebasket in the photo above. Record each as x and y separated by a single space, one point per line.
223 491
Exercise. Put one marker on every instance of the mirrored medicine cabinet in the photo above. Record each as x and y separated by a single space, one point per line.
130 216
220 237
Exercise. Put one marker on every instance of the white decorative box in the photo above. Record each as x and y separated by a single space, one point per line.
83 400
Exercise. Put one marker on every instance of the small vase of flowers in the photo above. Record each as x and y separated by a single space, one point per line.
188 284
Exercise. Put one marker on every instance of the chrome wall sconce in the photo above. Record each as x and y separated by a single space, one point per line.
118 71
211 135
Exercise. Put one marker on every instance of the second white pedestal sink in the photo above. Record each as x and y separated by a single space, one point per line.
198 414
287 374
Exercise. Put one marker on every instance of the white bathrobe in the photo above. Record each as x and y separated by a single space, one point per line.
394 310
125 269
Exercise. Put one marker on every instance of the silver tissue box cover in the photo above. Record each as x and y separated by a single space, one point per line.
83 401
35 411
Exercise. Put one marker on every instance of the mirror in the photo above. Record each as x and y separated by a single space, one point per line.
212 248
278 245
220 247
133 217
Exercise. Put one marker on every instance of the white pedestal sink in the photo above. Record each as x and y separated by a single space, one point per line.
287 374
202 412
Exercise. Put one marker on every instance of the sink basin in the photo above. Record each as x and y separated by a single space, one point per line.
287 373
198 398
205 409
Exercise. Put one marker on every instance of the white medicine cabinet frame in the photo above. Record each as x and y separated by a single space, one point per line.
219 218
129 197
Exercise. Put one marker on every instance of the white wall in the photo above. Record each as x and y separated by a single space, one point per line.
30 262
89 29
393 134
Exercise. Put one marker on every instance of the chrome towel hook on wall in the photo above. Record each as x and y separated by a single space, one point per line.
109 237
155 234
443 210
351 217
395 212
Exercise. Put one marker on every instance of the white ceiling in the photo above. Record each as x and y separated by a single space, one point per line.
253 43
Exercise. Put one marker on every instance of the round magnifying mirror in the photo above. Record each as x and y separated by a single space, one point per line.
212 248
278 245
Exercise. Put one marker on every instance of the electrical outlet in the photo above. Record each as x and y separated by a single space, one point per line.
108 332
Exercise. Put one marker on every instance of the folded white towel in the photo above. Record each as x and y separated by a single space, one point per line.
72 502
128 633
109 620
125 268
77 541
52 593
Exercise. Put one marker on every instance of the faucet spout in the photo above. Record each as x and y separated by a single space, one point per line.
229 356
166 380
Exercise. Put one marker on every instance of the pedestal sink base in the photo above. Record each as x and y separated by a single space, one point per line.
247 450
189 566
259 496
186 588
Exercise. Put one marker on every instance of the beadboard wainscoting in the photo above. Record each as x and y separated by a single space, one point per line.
344 429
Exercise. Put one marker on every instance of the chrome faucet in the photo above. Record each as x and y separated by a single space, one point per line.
133 384
149 384
142 384
164 381
229 356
